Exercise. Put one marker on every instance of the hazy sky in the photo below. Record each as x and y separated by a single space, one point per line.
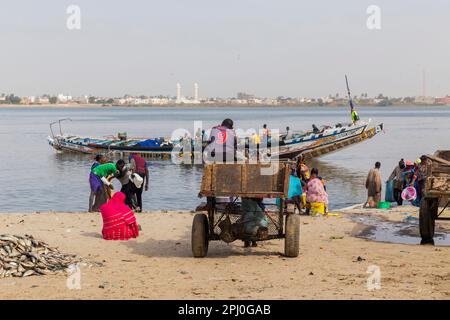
269 48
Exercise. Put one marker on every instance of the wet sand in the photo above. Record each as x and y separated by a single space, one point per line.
158 265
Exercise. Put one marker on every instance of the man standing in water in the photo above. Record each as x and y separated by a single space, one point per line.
138 165
397 178
373 186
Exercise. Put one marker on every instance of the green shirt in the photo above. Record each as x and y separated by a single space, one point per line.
355 116
105 170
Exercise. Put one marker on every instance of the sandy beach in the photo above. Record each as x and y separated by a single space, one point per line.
158 265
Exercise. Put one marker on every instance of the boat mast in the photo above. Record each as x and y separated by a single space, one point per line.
349 95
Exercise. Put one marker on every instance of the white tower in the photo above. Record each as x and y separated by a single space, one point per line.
178 92
195 92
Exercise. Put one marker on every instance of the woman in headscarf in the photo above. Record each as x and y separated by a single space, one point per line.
316 195
119 222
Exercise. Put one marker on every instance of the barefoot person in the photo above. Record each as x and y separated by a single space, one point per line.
119 222
103 172
138 165
94 182
124 174
373 186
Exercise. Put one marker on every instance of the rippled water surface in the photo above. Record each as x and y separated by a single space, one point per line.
35 178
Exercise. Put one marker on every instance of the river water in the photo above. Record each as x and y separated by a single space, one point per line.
35 178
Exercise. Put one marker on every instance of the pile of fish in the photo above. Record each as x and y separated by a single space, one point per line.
26 256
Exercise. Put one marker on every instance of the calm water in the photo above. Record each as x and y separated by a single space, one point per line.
35 178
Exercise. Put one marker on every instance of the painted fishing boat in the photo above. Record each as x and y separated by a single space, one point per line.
329 140
119 143
318 142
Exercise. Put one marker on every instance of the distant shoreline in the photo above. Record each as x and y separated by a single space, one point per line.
196 106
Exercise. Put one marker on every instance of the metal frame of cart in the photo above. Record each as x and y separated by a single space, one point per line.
233 181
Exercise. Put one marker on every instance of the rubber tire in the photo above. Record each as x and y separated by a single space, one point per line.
200 234
292 240
426 221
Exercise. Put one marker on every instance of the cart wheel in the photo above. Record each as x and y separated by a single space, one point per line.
292 241
200 232
427 215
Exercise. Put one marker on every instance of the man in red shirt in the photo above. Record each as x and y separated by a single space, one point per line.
138 165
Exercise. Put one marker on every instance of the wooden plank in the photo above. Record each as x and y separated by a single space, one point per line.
206 179
440 184
244 178
213 178
258 182
286 180
434 158
228 178
443 154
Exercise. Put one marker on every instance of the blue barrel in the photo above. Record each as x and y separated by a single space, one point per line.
389 197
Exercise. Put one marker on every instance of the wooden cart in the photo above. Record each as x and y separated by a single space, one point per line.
242 181
437 194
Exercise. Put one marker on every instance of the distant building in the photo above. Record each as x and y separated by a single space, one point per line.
196 92
42 100
25 100
63 99
424 100
245 96
178 93
443 101
159 101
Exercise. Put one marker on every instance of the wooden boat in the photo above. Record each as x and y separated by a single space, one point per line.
119 143
309 144
328 140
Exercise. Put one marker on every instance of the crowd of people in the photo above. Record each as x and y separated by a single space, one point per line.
119 222
409 174
307 189
407 178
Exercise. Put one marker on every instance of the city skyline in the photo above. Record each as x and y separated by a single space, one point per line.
294 49
241 98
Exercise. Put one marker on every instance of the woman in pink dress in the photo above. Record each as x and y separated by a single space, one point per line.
119 222
316 195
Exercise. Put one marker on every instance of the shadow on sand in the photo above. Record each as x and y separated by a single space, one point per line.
92 235
181 248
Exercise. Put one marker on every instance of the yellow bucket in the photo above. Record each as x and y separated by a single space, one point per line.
317 208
